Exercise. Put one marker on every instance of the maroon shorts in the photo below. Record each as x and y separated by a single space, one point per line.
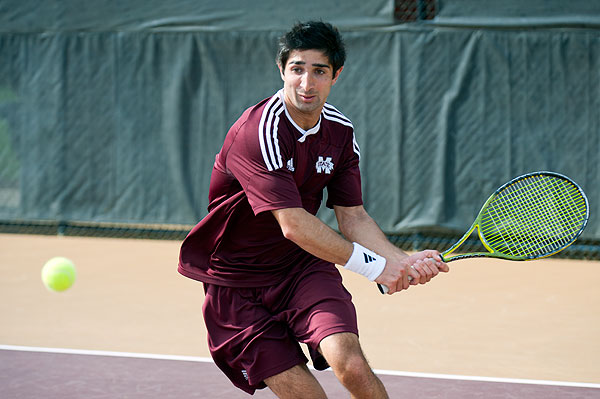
254 333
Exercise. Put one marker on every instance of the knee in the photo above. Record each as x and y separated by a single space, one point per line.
352 369
355 362
344 355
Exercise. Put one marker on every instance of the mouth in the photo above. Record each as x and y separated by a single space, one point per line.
307 97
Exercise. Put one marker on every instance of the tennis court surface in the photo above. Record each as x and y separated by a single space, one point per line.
131 327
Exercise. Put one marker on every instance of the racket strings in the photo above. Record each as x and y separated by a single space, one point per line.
551 234
526 225
534 216
512 239
553 206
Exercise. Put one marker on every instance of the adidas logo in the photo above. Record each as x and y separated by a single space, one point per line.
369 258
290 165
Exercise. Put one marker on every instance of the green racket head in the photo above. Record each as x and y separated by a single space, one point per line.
530 217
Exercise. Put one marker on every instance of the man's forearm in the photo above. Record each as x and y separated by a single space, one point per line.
361 228
312 235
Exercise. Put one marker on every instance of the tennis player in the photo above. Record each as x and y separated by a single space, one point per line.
268 264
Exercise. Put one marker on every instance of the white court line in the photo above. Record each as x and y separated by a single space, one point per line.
106 353
487 379
379 372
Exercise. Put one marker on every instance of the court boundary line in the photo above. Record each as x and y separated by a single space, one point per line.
199 359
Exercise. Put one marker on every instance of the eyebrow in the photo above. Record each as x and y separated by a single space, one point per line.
315 65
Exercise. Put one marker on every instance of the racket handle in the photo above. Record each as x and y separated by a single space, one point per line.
382 288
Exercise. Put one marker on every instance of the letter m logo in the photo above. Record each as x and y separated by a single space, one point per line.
324 165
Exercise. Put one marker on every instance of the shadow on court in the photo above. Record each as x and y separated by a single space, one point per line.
30 374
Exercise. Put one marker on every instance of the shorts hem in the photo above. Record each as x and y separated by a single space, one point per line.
274 371
319 361
333 330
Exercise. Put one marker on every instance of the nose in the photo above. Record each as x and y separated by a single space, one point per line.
306 83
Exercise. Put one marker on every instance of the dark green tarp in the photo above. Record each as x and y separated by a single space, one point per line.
113 111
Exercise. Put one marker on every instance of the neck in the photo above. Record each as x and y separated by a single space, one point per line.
305 120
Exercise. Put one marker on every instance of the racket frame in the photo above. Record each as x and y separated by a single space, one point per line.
447 255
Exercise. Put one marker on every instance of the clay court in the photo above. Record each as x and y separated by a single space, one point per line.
131 327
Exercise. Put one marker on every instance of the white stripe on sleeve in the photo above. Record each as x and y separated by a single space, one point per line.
267 134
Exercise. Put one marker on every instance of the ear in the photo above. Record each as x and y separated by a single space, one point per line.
337 75
281 71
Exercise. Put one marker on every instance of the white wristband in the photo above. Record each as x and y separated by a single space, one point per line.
365 262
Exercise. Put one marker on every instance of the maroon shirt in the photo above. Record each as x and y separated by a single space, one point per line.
268 162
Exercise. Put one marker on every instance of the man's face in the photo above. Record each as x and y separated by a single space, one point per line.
308 78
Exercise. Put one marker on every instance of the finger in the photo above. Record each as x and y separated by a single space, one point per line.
433 267
427 270
443 267
433 270
431 253
421 267
414 274
395 286
407 279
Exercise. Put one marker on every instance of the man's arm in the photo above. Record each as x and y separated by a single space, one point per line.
311 234
357 226
315 237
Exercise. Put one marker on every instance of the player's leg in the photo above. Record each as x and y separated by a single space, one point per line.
344 354
321 314
297 382
247 343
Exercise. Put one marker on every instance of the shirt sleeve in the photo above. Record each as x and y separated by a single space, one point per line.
266 188
344 189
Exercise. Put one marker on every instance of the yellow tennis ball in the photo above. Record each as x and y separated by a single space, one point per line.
58 274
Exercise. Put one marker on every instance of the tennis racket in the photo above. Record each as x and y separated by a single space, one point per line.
533 216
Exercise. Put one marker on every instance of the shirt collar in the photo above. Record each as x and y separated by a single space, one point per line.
305 133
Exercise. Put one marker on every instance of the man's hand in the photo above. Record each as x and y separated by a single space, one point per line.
421 267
